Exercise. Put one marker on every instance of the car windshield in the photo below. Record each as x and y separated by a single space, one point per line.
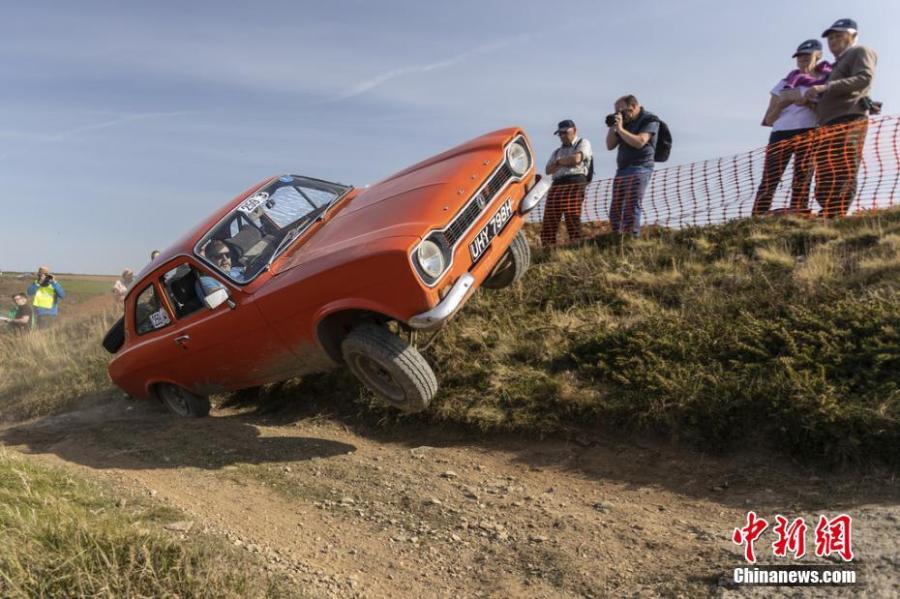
243 243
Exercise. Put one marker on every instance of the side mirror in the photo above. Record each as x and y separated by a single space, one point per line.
216 298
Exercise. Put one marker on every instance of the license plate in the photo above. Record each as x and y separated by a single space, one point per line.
490 230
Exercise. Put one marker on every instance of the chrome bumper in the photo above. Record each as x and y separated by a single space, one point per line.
445 309
534 195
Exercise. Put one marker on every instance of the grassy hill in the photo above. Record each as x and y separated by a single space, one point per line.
777 331
781 331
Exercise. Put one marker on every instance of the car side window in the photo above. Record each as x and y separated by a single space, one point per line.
181 284
149 314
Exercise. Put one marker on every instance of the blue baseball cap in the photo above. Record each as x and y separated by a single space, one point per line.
564 126
808 47
848 25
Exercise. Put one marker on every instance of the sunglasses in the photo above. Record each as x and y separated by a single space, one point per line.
221 255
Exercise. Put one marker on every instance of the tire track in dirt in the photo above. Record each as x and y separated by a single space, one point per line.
415 512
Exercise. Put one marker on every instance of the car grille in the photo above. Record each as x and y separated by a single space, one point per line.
472 210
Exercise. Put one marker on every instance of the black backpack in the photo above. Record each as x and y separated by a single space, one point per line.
590 173
663 143
663 138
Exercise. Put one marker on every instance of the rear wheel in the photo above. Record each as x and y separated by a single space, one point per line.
182 402
389 366
512 265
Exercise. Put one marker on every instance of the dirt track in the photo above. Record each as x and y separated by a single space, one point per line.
411 512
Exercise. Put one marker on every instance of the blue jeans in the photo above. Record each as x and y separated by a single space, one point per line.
628 192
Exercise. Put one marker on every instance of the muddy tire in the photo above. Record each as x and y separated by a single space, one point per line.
512 265
182 402
390 367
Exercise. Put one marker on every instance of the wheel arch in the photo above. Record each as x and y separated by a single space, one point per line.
334 326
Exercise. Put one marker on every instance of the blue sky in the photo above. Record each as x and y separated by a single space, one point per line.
122 124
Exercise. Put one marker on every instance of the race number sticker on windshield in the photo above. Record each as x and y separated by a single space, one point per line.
254 202
490 230
159 319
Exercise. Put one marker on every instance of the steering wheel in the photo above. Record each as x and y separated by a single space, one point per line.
256 264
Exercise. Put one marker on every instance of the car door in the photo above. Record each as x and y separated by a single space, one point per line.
226 348
148 355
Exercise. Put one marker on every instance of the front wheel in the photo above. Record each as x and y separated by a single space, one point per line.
512 265
390 367
182 402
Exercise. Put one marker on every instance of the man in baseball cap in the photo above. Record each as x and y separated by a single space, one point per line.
569 165
842 110
842 25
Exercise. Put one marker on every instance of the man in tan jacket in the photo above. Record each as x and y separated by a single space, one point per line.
843 117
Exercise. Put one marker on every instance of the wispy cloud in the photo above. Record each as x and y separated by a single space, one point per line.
121 120
67 134
379 80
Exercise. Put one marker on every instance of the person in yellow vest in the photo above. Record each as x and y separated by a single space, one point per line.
47 293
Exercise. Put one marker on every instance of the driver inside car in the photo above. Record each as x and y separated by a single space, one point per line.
219 254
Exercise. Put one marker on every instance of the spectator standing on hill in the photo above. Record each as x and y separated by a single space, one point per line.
633 131
569 165
21 320
121 287
792 116
842 110
47 293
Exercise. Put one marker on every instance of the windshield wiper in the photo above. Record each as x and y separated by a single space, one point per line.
295 231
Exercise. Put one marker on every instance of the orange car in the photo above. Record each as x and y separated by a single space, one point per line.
298 275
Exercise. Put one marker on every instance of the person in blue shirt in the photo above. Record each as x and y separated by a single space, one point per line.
218 253
633 132
47 293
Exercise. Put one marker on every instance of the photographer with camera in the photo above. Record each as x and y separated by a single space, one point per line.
633 131
570 166
47 293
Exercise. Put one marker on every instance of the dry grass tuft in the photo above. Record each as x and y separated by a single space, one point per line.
64 537
51 370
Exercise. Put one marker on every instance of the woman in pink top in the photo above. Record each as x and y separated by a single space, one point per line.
792 118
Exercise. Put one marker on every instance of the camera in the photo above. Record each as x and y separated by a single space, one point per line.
611 118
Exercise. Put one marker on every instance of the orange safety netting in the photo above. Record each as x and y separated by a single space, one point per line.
830 171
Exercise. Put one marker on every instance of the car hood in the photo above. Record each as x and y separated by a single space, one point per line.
410 203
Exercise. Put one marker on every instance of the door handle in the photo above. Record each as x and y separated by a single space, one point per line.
182 340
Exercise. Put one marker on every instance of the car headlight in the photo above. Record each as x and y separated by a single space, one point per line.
431 258
518 158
